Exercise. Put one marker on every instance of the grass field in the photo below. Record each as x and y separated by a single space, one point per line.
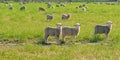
17 27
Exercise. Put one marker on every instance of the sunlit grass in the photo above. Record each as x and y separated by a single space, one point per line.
28 25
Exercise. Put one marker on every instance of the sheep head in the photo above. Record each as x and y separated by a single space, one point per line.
109 24
77 26
59 25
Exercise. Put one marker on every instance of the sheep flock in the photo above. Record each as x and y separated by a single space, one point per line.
59 30
74 31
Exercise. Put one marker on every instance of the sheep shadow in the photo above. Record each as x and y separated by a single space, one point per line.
41 42
96 39
92 39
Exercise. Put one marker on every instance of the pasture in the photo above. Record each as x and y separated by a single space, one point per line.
21 32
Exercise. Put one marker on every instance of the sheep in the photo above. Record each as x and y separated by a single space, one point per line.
65 16
49 17
80 6
5 3
49 31
22 8
108 3
57 5
10 8
41 9
68 31
84 8
49 5
99 29
97 3
63 4
83 5
77 7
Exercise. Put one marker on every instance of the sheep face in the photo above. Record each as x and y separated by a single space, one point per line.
59 25
77 25
109 24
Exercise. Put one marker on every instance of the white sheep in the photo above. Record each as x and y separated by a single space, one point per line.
49 5
49 17
68 31
41 9
65 16
84 8
100 29
22 8
49 31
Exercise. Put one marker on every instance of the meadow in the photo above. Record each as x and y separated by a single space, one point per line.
18 27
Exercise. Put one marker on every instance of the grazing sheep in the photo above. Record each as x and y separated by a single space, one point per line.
57 5
63 4
22 8
97 3
49 17
65 16
80 6
99 29
20 3
108 3
77 7
83 5
5 3
49 5
49 31
41 9
10 8
68 31
84 8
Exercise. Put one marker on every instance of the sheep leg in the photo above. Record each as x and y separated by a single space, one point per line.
74 38
63 38
46 38
95 35
106 36
57 39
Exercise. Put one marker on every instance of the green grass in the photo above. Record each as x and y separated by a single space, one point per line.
28 26
54 52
